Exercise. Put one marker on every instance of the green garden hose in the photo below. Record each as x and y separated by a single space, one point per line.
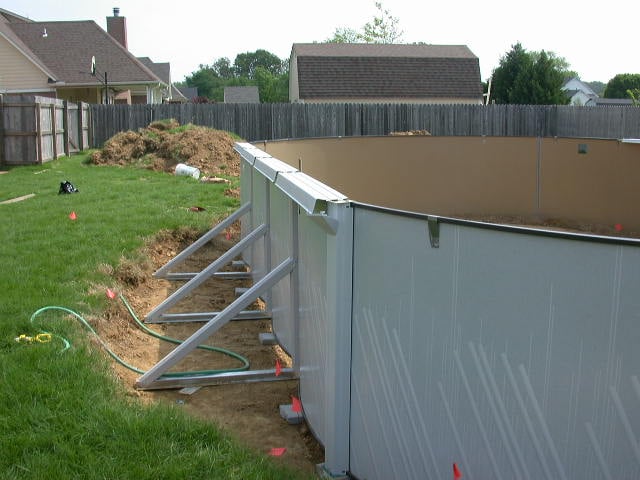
67 344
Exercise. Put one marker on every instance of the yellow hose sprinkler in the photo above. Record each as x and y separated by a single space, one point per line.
40 338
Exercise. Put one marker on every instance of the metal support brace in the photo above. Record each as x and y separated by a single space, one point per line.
190 275
163 271
206 316
204 332
248 376
207 272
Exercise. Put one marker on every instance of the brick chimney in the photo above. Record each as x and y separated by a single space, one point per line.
117 27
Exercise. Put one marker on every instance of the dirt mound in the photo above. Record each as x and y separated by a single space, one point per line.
164 144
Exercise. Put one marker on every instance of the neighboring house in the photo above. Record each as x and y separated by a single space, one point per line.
54 59
609 102
163 72
241 95
189 92
348 72
578 92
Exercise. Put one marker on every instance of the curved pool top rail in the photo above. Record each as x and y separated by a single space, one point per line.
589 181
506 227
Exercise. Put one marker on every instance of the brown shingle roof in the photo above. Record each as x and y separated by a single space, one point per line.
10 17
162 71
11 37
382 70
381 50
68 47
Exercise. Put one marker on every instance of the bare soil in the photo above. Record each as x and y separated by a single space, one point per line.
250 412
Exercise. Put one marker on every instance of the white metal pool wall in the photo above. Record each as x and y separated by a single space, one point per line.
311 309
421 341
513 354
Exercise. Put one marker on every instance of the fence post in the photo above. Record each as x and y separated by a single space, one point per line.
38 132
65 127
2 129
80 121
54 129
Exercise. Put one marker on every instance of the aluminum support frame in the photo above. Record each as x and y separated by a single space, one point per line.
190 275
149 379
206 316
163 272
248 376
205 274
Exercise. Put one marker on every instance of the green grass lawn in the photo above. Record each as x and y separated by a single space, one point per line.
62 415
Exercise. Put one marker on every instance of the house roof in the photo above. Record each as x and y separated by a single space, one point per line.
612 101
337 70
7 32
163 71
65 52
575 84
381 50
247 94
7 16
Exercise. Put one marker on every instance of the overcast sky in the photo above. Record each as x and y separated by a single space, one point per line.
598 44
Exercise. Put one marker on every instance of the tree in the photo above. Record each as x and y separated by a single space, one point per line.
384 28
533 78
206 80
505 77
223 68
634 95
619 85
272 88
260 68
245 64
344 35
546 81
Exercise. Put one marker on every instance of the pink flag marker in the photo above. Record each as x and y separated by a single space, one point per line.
277 452
227 235
618 227
296 405
111 294
457 474
73 215
278 367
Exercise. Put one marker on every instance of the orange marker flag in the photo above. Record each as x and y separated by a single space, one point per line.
277 452
296 406
111 294
278 367
73 215
457 474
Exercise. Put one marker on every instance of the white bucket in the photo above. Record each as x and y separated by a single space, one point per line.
186 170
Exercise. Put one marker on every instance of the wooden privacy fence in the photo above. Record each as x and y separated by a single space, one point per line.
34 129
278 121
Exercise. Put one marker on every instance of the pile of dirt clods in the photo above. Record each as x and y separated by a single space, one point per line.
164 144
